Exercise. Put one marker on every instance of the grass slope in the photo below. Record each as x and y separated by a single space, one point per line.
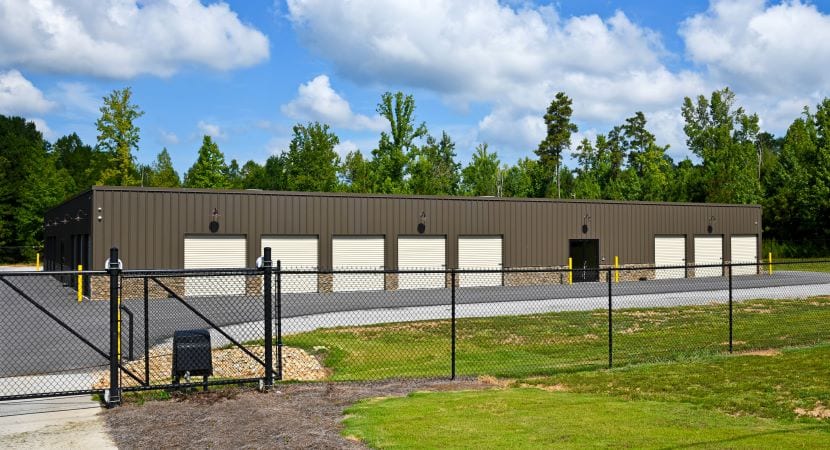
543 344
745 401
532 418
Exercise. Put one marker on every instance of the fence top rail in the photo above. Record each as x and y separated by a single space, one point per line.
129 273
49 273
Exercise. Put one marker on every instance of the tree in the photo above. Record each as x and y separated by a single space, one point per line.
587 183
209 170
311 162
558 137
162 173
30 183
82 162
521 180
234 175
118 135
432 168
356 173
479 178
392 155
725 138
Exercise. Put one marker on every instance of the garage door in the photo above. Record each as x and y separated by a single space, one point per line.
294 253
669 251
744 250
214 252
357 253
708 250
480 252
422 252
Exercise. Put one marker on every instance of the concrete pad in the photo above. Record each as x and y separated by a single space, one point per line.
61 422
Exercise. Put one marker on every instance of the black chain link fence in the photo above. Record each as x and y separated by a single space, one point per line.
376 324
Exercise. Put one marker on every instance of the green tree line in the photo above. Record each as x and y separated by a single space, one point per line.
736 163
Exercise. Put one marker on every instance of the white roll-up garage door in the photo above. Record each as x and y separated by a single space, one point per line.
357 253
422 252
480 252
669 251
214 252
294 253
744 250
708 250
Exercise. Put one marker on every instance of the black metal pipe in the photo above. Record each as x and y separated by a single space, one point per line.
130 318
113 269
730 308
610 324
279 320
269 334
452 320
146 332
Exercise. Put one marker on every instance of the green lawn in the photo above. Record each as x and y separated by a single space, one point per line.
800 264
716 402
543 344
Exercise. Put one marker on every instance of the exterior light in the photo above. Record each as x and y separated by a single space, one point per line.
711 227
585 221
214 224
422 222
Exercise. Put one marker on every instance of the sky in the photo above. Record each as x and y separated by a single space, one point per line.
244 72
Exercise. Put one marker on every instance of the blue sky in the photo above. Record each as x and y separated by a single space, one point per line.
484 71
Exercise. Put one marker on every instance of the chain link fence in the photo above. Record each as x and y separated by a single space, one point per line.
190 328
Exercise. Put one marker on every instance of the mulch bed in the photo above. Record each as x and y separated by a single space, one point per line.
300 415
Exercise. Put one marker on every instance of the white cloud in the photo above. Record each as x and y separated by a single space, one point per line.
78 96
19 96
169 137
211 129
44 129
512 58
125 38
316 100
345 147
773 49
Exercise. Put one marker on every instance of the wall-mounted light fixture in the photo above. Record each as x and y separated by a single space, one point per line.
585 221
100 215
711 226
422 222
214 223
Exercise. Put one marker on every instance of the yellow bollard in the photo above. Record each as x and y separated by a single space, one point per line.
80 284
570 271
37 262
770 263
617 272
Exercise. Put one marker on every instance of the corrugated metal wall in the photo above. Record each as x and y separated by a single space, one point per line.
149 225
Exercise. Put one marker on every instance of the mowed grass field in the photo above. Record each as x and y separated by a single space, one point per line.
545 344
769 400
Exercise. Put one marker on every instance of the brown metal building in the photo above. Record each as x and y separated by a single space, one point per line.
177 228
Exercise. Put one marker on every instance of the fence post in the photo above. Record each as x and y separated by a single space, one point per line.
452 319
610 325
146 332
279 320
730 306
269 317
114 270
80 283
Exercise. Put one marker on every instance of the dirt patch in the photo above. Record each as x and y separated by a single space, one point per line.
227 363
301 415
733 343
632 329
764 352
819 411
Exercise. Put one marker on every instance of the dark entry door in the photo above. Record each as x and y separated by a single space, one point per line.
585 255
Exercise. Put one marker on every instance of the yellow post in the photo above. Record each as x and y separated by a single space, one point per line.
770 263
570 271
617 272
80 284
119 325
37 262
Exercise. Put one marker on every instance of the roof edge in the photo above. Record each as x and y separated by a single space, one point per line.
396 196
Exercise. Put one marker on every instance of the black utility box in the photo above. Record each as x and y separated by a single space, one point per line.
191 354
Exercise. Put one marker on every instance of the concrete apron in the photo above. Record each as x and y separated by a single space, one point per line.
61 422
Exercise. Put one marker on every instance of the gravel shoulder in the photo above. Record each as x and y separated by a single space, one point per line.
300 415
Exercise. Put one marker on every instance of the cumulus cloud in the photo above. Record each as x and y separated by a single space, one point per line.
168 137
316 100
125 38
19 96
514 58
44 129
774 49
210 129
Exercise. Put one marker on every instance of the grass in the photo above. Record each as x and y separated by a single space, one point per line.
543 344
801 264
716 402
